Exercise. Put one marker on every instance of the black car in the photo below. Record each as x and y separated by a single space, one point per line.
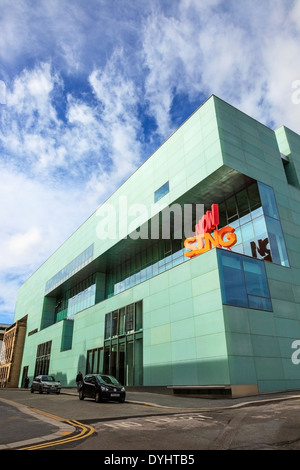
102 387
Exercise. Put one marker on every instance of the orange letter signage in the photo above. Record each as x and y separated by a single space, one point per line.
205 239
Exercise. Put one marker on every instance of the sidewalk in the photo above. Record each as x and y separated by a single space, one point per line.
199 403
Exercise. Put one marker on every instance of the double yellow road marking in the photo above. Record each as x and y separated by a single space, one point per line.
84 431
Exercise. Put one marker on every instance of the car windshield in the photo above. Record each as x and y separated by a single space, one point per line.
107 379
48 378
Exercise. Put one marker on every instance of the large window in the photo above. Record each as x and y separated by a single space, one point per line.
278 248
124 321
157 258
70 269
253 214
123 344
94 364
43 358
79 297
243 281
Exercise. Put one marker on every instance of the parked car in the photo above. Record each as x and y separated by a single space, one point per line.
45 383
102 387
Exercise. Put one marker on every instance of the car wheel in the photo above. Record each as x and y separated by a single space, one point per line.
121 400
98 397
40 390
81 396
32 390
57 393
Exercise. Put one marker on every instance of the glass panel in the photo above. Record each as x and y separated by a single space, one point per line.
243 281
231 209
261 248
257 213
243 206
95 361
268 200
107 328
278 249
106 360
222 215
89 362
138 316
121 374
260 228
254 198
138 362
238 248
114 329
162 191
129 323
256 279
70 269
232 279
260 303
129 363
248 237
101 360
122 321
113 360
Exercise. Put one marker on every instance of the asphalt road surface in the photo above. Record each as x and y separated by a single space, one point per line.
62 422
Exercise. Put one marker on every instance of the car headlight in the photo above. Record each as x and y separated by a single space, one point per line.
104 389
123 389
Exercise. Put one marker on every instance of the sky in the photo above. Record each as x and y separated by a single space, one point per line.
89 89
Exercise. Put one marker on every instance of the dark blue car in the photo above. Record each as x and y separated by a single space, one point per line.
102 387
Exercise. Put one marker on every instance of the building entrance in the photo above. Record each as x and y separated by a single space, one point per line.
122 355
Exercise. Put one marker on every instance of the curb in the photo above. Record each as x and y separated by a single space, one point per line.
245 404
63 428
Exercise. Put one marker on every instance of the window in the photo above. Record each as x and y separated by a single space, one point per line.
257 237
243 281
129 322
121 330
232 279
114 324
107 326
254 215
161 192
268 200
70 269
94 363
279 253
123 354
43 358
243 211
79 297
277 243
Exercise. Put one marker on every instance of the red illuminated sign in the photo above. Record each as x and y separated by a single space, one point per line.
208 234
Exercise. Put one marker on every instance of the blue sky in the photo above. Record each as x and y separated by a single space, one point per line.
89 89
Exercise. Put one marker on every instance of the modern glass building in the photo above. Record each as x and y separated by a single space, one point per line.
138 291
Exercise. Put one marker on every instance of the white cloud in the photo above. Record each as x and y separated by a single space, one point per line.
35 220
118 97
83 87
54 172
21 244
80 112
246 53
2 92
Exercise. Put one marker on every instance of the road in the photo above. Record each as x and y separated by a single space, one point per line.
130 427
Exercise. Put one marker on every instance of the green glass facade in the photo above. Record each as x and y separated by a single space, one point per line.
136 307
